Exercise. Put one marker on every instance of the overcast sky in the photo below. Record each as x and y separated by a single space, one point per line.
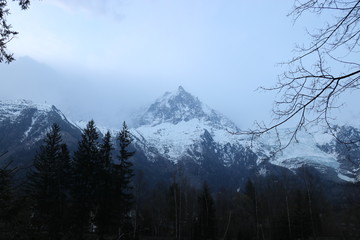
106 59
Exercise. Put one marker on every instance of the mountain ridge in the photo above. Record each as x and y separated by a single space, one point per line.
23 125
179 130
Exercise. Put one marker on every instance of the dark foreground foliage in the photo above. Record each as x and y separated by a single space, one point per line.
93 195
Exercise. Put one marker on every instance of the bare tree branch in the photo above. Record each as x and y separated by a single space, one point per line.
320 72
6 32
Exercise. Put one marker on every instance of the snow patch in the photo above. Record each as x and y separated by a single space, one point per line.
346 178
11 110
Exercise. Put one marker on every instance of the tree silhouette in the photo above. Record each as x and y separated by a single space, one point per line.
321 71
104 194
85 166
205 224
6 32
49 184
122 175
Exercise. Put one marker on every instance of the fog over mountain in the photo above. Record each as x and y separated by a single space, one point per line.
109 100
113 100
113 57
179 130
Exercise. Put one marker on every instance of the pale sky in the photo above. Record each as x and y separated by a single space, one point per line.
105 59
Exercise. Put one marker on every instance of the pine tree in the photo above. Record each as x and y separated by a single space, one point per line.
106 149
122 176
85 170
104 217
125 140
48 184
64 178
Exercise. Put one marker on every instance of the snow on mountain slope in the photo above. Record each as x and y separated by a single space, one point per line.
11 110
101 129
30 120
175 125
182 106
302 151
178 126
174 141
23 125
315 148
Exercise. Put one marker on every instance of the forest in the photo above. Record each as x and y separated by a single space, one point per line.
95 193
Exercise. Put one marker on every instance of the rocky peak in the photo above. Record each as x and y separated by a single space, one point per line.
178 106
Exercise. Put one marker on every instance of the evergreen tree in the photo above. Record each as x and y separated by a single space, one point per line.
106 149
85 170
48 184
64 177
126 171
104 217
122 175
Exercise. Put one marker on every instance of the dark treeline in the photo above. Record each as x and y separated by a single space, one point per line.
94 193
270 207
87 196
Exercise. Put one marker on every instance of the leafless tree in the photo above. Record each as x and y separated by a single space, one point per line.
6 32
321 71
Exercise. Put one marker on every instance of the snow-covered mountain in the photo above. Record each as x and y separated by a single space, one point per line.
179 133
179 127
176 125
181 106
23 125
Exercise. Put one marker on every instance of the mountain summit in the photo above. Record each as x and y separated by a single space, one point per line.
179 126
181 106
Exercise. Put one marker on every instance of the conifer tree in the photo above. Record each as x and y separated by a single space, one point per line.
106 149
125 140
104 217
48 184
122 176
85 166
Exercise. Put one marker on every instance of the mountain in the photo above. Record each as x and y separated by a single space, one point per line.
189 137
181 106
23 124
177 122
179 136
180 129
